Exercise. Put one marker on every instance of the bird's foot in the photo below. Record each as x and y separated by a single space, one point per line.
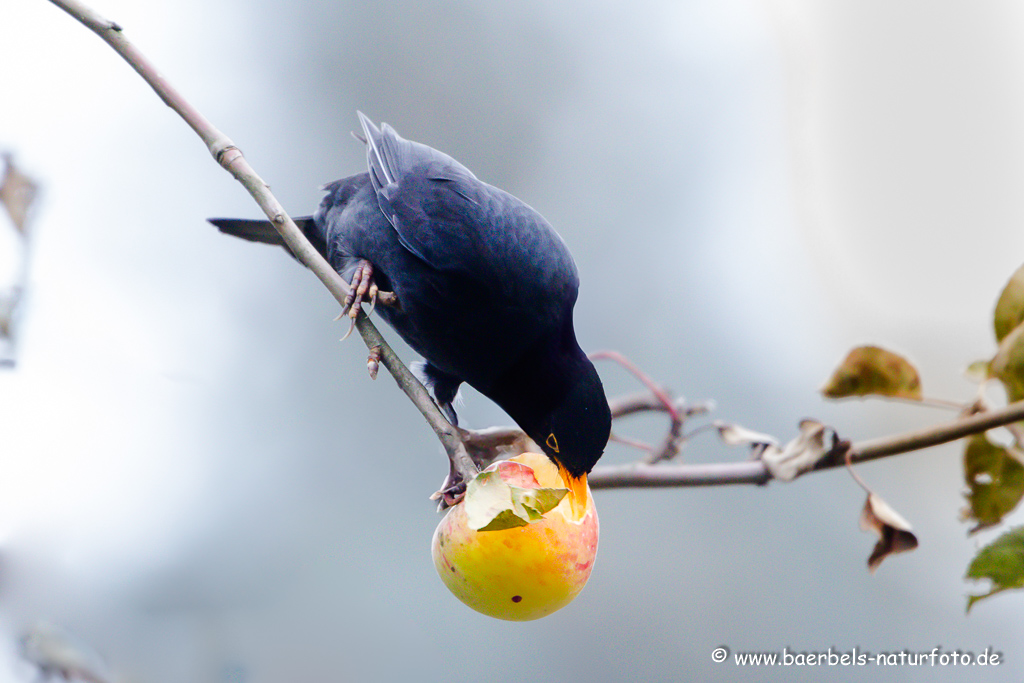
485 447
362 284
452 491
361 288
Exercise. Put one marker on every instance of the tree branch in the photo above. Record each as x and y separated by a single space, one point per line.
230 157
640 475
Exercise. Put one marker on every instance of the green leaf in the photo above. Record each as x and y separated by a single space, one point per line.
870 370
1008 364
492 504
1002 562
537 502
489 504
1010 307
995 479
506 519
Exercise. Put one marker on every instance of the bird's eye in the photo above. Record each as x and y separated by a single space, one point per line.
552 442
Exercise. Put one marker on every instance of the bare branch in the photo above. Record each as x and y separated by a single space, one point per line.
621 406
230 157
640 475
933 436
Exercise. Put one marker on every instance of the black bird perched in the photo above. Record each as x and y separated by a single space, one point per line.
485 290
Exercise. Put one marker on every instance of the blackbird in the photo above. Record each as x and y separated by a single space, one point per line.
485 290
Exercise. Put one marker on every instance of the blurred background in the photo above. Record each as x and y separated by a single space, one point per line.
202 484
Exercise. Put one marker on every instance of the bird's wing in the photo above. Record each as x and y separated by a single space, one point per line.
448 218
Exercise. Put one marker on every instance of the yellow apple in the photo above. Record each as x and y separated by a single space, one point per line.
524 572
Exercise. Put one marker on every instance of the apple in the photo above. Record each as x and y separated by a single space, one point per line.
523 572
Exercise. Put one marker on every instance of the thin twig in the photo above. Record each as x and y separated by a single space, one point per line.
669 447
645 401
940 403
653 386
230 157
848 461
632 443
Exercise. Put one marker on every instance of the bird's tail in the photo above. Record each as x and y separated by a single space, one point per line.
264 231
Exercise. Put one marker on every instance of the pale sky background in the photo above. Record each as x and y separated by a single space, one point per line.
200 481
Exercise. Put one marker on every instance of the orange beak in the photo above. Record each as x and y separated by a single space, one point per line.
578 490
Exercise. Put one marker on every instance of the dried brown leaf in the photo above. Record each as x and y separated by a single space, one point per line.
738 435
799 455
894 534
871 370
17 192
7 304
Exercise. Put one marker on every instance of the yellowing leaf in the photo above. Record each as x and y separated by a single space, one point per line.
894 534
870 370
1002 562
1008 364
1010 308
995 479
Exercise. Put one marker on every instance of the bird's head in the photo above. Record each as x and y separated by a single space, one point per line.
574 434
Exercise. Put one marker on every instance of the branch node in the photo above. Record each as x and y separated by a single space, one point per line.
222 152
387 299
373 361
837 455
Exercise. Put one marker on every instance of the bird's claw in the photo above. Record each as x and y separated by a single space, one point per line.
363 288
452 491
362 284
351 326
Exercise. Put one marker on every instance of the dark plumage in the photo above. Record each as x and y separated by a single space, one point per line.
485 288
